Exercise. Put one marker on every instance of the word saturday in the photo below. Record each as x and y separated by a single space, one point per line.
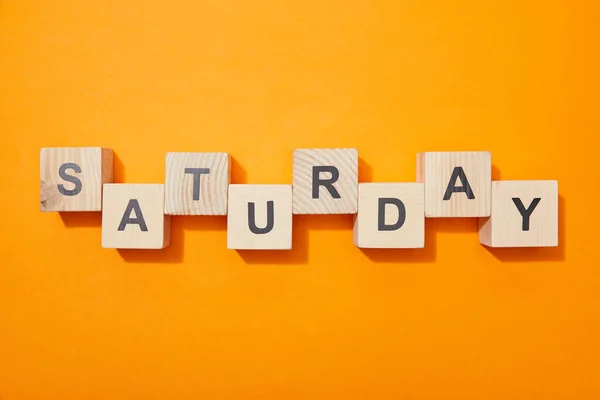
325 181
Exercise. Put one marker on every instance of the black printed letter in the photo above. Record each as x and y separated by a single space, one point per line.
381 214
328 183
196 172
458 173
270 219
139 218
525 213
69 178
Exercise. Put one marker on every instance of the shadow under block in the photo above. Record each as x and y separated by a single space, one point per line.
457 184
325 181
524 214
390 216
71 178
133 217
259 217
196 183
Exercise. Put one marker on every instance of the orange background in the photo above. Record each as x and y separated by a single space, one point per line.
326 320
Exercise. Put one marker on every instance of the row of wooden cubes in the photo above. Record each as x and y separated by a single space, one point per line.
325 181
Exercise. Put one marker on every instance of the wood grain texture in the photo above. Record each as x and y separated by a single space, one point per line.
346 161
96 164
179 186
410 235
150 198
239 235
435 170
504 228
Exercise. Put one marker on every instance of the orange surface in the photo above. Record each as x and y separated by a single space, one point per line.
326 320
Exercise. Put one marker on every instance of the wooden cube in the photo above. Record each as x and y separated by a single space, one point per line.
71 178
390 215
524 214
259 217
325 181
457 184
196 183
133 217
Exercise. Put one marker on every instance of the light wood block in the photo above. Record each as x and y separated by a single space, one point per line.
133 217
259 217
325 181
524 214
390 215
448 176
197 183
71 178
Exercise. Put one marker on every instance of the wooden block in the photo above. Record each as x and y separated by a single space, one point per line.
197 183
325 181
259 217
71 178
133 217
390 215
524 214
457 184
